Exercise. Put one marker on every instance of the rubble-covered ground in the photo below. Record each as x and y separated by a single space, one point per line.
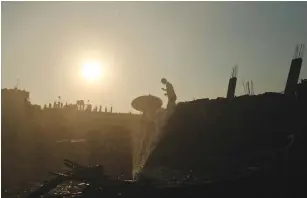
237 145
225 139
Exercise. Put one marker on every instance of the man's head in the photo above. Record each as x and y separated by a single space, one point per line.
163 81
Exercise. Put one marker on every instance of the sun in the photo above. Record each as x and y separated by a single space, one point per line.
92 70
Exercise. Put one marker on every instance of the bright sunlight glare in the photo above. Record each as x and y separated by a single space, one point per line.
92 70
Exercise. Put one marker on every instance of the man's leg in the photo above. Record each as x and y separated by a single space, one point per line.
171 105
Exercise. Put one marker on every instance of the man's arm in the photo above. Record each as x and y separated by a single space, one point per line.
163 89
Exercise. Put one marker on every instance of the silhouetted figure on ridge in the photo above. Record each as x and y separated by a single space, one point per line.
170 93
89 107
80 104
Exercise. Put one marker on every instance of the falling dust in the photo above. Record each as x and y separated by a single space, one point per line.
147 138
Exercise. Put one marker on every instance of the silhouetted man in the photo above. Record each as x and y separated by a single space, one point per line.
170 93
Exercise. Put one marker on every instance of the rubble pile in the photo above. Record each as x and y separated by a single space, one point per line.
221 138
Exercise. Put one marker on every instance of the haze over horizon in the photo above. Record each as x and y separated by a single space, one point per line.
192 44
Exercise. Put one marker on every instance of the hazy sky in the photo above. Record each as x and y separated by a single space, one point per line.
193 44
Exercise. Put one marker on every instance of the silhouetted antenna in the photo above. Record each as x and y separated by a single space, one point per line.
252 87
301 51
17 84
234 71
244 88
248 87
296 52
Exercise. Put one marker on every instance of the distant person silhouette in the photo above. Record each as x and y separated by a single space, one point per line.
170 93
